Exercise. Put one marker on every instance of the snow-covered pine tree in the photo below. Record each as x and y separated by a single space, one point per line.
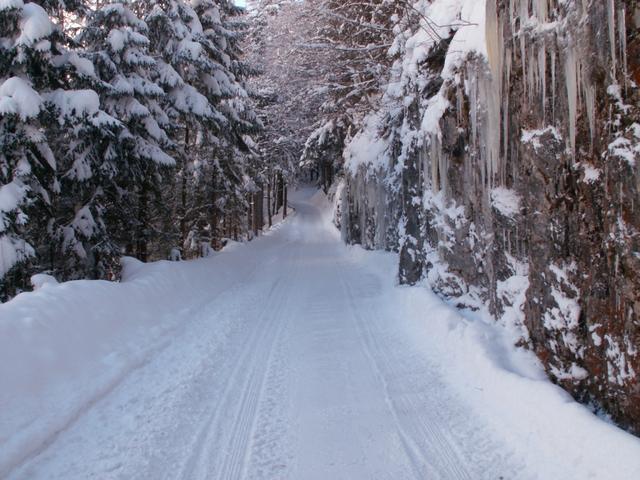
205 102
26 161
136 160
239 169
37 74
175 32
79 244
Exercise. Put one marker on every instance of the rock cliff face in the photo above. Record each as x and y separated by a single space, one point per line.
510 178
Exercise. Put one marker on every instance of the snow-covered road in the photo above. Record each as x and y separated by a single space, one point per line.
295 357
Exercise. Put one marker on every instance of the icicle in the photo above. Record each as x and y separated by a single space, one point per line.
571 78
523 53
531 74
622 31
434 184
524 16
553 86
493 88
494 40
588 90
542 78
612 35
473 108
441 164
472 93
541 10
590 101
490 126
512 15
505 107
524 11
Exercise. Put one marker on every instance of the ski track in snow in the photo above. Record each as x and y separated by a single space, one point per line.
303 368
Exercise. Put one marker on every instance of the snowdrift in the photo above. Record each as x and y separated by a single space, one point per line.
65 346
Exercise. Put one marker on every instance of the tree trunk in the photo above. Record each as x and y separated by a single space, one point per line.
184 195
213 214
274 205
143 220
261 208
255 200
280 194
269 212
250 216
284 214
183 208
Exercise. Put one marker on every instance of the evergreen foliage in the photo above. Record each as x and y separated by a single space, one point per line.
133 137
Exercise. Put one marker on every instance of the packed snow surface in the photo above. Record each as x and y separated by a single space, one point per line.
293 357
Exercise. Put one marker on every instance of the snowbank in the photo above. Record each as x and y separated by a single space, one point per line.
65 346
505 385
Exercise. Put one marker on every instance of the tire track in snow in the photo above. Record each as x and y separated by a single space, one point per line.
270 457
227 456
422 398
235 464
431 451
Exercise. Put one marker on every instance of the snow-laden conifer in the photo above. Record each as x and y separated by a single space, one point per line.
44 110
209 111
134 160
